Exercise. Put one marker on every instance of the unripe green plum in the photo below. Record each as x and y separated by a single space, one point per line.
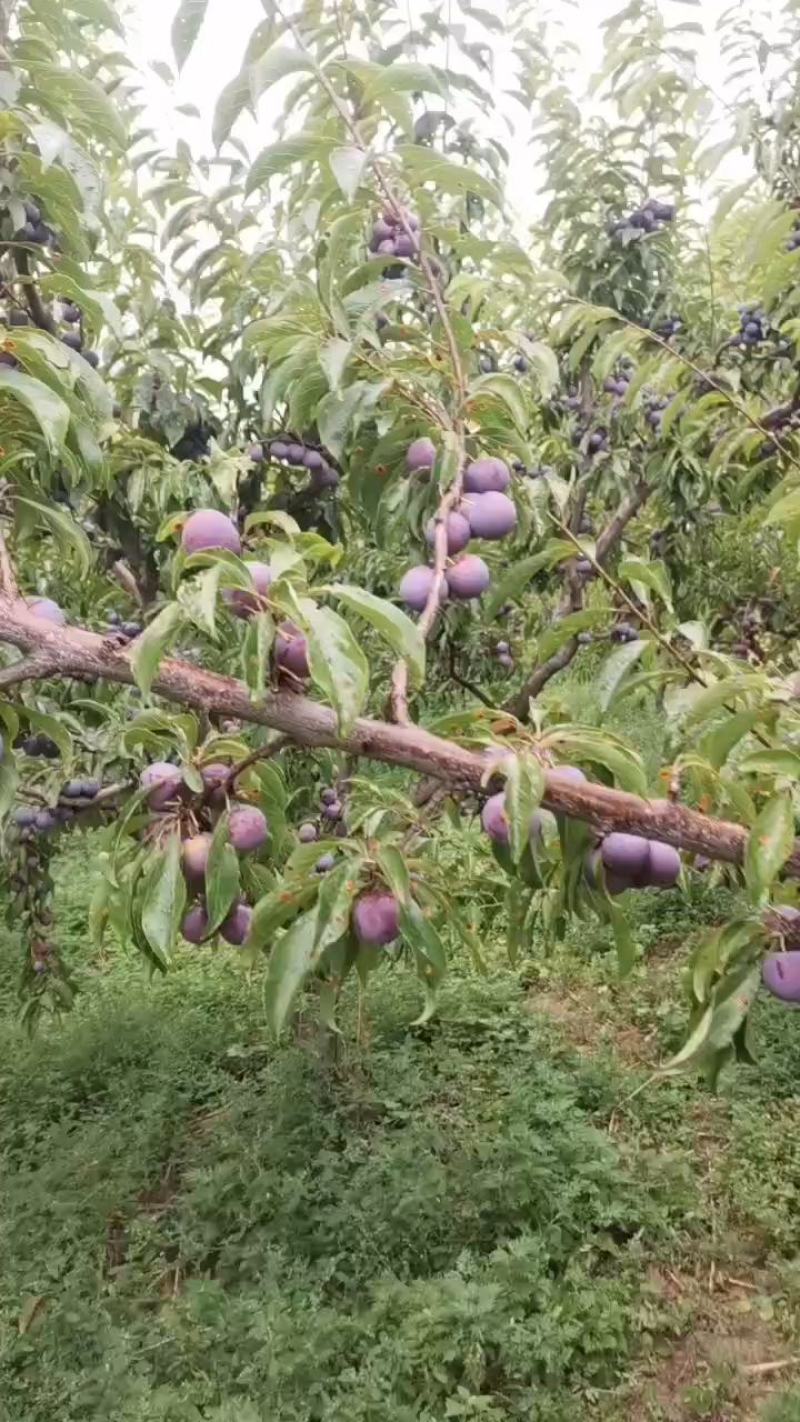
208 529
376 918
247 829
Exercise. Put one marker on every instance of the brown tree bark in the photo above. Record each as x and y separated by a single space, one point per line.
72 652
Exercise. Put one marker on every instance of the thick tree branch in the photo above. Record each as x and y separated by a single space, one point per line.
77 653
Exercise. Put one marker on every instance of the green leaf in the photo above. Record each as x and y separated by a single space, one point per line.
429 953
232 101
519 578
275 909
89 107
338 665
69 536
615 670
524 790
333 358
48 409
771 762
424 166
403 78
283 154
394 625
149 648
222 876
395 871
648 575
186 28
292 959
335 904
8 785
275 65
258 640
347 165
769 845
163 898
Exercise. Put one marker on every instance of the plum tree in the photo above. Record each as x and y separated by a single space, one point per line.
222 396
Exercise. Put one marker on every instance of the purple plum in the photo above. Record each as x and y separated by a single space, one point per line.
209 529
569 772
163 783
243 603
376 918
48 610
214 778
333 810
468 578
236 926
324 478
307 833
627 856
780 973
415 587
278 449
485 476
328 795
420 455
324 864
458 533
291 650
491 515
405 246
494 819
195 859
296 453
247 829
195 925
664 866
313 459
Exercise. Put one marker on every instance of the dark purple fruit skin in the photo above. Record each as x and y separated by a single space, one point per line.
376 919
595 871
325 864
208 529
247 829
291 650
664 865
627 856
421 454
458 533
415 587
780 973
195 925
328 795
569 772
491 515
493 818
236 926
468 578
485 476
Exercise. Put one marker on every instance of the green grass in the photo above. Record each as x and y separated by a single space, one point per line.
474 1219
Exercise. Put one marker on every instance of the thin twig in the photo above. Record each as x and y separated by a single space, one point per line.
8 579
263 753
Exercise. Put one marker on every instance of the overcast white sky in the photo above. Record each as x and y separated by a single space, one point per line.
229 23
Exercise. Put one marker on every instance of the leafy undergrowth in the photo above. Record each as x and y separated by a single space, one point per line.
489 1217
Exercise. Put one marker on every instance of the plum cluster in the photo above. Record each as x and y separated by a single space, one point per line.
38 746
504 656
286 449
754 326
485 511
389 235
618 383
35 230
123 631
166 793
331 821
652 216
654 406
74 798
628 861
